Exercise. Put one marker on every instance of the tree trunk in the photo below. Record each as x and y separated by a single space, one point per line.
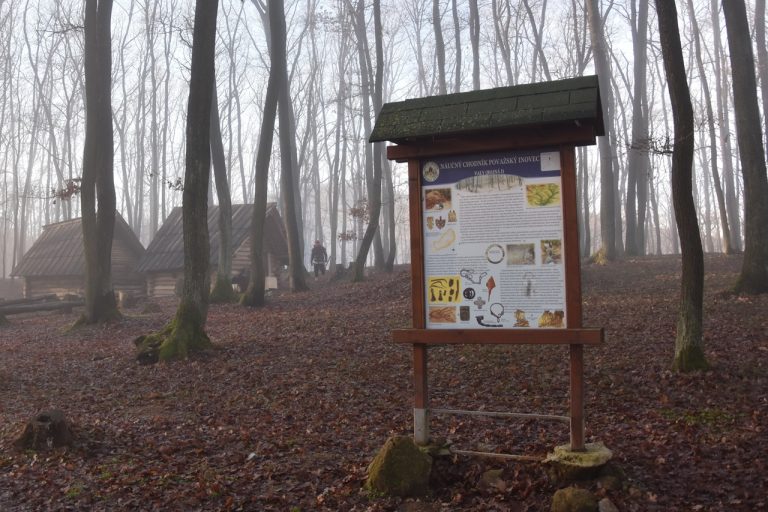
723 123
754 270
725 229
185 334
439 47
457 38
374 200
634 240
607 195
254 295
689 353
287 158
222 288
474 38
762 61
98 187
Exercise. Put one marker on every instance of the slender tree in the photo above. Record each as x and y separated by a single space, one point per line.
754 270
222 288
374 188
607 187
98 187
186 332
254 295
689 353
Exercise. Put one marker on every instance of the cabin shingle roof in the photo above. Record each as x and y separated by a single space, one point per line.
559 101
58 251
166 251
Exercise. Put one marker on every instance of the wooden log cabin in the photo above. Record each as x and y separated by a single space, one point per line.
163 262
55 264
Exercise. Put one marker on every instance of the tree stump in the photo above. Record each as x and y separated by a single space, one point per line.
48 429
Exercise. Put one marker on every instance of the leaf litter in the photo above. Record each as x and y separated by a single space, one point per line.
298 396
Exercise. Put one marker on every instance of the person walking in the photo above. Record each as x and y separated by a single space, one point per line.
319 258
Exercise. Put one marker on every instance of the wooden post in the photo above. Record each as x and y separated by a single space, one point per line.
573 293
577 397
421 395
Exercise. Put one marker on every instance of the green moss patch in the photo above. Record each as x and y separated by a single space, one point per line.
183 336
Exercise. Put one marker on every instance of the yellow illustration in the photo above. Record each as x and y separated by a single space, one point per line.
544 194
443 289
520 320
550 319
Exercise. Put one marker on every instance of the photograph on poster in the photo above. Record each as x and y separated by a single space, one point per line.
493 231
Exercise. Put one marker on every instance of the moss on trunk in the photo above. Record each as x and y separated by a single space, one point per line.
183 336
690 358
222 291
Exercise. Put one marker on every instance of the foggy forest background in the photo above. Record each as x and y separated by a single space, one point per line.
430 47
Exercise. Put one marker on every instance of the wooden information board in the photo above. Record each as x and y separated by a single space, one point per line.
493 225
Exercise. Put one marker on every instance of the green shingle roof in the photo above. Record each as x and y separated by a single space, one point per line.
557 102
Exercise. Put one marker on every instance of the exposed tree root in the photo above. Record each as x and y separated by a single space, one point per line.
183 336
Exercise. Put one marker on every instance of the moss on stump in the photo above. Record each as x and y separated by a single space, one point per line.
177 340
399 469
574 499
565 465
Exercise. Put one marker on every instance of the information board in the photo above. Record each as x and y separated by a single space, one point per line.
493 241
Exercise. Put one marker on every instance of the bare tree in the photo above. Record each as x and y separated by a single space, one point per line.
186 332
222 288
607 187
439 47
689 354
754 270
98 187
726 232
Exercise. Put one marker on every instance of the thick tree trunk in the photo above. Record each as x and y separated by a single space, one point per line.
689 354
762 61
185 334
97 187
754 270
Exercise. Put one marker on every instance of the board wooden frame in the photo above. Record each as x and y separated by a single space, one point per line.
574 334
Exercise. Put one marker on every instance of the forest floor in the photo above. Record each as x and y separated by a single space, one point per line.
299 396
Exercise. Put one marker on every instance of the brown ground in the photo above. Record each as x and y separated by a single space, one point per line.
289 411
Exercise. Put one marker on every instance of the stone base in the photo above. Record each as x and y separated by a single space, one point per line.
399 469
565 465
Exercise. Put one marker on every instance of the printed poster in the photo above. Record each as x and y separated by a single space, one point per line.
493 241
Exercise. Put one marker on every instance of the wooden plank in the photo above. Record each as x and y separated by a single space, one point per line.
572 261
507 140
499 336
573 294
417 245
